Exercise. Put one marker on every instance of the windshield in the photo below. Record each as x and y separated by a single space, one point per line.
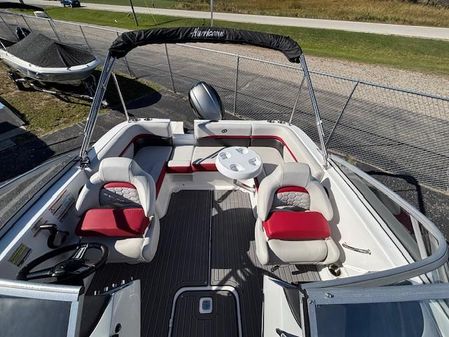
38 309
33 317
392 311
411 319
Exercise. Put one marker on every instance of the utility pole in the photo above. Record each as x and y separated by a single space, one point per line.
134 13
211 13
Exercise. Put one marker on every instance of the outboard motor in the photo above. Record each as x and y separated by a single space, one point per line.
206 102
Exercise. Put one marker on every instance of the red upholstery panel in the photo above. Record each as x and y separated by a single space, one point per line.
179 169
298 189
118 184
120 222
277 138
204 167
160 180
286 225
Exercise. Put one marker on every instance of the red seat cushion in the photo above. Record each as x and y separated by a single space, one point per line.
120 222
285 225
179 169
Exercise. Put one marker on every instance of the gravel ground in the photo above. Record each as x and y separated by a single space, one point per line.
388 76
427 83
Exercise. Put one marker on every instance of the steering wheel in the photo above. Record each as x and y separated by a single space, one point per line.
70 271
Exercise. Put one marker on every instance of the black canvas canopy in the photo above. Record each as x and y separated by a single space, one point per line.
42 51
18 5
130 40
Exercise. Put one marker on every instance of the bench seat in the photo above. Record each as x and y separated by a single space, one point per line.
271 158
203 158
181 159
152 159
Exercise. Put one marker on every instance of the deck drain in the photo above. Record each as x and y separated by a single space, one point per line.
205 305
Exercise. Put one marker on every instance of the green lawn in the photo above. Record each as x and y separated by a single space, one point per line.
389 11
44 113
401 52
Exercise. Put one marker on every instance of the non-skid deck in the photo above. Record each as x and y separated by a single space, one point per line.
182 260
207 239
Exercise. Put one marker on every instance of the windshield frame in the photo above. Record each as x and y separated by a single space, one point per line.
397 274
51 292
311 298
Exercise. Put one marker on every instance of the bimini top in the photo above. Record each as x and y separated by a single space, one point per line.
130 40
18 5
42 51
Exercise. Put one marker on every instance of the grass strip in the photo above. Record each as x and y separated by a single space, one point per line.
425 55
45 113
384 11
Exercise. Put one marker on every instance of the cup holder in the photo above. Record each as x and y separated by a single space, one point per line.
242 150
225 155
236 167
254 161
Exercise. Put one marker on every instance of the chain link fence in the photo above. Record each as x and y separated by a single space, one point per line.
395 130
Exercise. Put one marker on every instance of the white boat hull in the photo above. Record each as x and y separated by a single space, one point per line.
69 75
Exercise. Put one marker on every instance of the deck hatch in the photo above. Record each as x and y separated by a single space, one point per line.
206 305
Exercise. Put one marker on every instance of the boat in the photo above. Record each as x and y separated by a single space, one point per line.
233 228
42 59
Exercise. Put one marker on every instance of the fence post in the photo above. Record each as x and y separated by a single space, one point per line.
341 112
125 60
85 39
237 68
130 72
54 30
169 68
296 101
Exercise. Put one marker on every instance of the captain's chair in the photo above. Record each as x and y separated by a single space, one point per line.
117 206
293 211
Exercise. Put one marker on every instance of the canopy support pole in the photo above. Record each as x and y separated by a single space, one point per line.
122 101
296 101
316 110
95 108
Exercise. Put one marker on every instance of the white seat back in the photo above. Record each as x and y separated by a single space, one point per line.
292 174
118 169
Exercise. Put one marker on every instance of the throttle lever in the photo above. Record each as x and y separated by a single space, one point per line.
56 237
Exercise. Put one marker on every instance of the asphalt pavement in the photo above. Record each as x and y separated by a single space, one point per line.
361 27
